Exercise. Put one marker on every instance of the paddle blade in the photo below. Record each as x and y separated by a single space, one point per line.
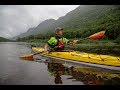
29 56
97 35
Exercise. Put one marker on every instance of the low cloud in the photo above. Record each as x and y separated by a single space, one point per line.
16 19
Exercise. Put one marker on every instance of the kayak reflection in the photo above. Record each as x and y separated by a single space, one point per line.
86 75
56 70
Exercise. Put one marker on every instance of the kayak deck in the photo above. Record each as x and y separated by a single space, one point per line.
82 57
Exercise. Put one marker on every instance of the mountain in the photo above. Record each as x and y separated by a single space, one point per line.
85 19
41 28
4 39
29 32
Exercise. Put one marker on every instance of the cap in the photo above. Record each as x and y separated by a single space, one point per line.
58 29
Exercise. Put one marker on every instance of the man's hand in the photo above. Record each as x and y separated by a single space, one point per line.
74 42
46 48
46 51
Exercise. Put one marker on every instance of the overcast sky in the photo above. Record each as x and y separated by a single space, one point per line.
16 19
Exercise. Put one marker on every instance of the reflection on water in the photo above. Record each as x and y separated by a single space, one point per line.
46 71
86 75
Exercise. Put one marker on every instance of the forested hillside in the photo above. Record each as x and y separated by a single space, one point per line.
4 39
82 22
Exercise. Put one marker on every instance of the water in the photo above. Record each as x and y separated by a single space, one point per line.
44 71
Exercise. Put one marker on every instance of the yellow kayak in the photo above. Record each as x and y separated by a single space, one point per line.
82 57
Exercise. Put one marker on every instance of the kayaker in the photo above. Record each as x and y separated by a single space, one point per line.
58 42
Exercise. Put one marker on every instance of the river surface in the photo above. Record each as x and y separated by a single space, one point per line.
44 71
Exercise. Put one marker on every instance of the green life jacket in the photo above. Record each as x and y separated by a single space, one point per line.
54 41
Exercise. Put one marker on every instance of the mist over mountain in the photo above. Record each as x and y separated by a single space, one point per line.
85 19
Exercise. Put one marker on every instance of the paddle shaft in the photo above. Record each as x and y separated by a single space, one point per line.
67 44
90 37
78 40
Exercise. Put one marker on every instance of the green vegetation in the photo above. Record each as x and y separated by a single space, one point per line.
4 39
83 22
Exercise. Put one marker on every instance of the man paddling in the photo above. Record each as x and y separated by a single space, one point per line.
58 42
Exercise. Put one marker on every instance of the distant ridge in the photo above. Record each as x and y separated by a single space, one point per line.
84 18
